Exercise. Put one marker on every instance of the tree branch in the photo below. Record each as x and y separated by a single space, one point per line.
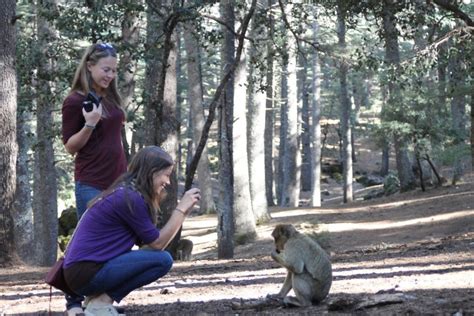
454 9
212 107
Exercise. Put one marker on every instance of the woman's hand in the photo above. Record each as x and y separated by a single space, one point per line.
93 117
191 197
172 226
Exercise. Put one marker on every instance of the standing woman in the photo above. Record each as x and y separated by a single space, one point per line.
94 137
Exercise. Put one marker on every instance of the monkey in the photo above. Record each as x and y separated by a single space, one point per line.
309 270
184 250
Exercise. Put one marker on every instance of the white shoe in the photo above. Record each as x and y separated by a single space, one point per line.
75 311
101 310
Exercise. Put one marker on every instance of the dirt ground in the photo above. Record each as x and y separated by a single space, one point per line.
407 254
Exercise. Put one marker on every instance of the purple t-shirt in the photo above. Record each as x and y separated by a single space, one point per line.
102 159
109 228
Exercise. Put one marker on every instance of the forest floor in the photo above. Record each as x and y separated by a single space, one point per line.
404 254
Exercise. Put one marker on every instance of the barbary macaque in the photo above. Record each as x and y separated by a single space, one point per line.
309 271
184 250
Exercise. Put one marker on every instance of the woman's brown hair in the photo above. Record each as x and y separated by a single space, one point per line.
139 176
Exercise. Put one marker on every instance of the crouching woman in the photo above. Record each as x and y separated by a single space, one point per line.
99 262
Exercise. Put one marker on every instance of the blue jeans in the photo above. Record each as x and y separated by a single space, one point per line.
125 273
84 194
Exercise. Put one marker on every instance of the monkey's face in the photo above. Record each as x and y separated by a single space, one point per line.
281 234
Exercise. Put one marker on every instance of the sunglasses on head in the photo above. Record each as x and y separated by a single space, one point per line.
101 47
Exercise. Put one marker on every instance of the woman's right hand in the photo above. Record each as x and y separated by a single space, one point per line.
190 197
93 117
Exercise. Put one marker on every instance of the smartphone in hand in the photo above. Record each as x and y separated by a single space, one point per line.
90 100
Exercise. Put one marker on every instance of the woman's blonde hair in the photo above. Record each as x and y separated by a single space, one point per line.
82 78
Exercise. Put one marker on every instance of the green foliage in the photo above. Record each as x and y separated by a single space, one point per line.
391 183
337 176
322 238
453 152
316 231
242 239
63 241
67 221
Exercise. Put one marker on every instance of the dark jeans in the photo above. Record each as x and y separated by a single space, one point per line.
125 273
84 194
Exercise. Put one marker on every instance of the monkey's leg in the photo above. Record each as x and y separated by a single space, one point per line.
302 286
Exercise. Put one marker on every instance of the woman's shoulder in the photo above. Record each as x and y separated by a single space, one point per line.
129 191
74 97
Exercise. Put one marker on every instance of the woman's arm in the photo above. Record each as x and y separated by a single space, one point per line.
176 220
78 140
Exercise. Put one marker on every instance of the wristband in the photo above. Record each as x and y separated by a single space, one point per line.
89 126
181 211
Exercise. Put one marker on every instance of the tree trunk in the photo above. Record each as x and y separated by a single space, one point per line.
245 229
256 135
282 148
456 68
225 215
472 130
128 65
153 55
8 147
195 99
45 185
316 123
269 118
345 107
24 232
385 166
292 156
169 134
305 126
392 56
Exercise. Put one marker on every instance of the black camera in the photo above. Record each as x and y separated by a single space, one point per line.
91 99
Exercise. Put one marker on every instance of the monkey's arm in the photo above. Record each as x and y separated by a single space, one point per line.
287 285
290 260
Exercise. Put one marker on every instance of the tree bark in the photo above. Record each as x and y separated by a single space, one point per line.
153 55
243 211
24 232
8 145
282 148
128 65
305 124
472 130
456 70
256 130
195 99
45 184
345 107
392 56
225 214
292 155
316 123
269 117
168 138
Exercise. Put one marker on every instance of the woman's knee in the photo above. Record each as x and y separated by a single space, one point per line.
167 261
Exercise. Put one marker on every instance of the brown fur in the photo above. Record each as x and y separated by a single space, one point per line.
309 271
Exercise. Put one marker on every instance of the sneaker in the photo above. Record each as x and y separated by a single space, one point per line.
101 310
